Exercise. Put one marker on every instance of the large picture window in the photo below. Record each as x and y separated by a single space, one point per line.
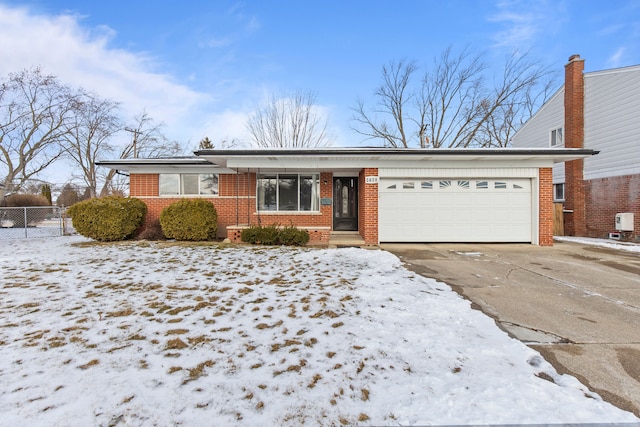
288 192
188 184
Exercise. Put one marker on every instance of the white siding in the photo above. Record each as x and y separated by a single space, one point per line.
612 123
536 132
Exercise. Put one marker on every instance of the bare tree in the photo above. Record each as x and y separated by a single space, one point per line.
148 141
455 104
90 131
290 121
34 110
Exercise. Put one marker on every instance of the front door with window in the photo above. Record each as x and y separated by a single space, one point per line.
345 204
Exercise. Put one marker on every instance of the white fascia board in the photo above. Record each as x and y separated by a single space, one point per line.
176 169
328 165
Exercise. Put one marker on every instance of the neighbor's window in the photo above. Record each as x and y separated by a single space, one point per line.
188 184
558 192
556 137
288 192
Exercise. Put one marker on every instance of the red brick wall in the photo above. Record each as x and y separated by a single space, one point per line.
545 218
605 198
368 207
143 185
575 221
241 210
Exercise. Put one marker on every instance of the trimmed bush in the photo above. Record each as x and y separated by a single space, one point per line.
274 235
293 236
251 234
108 219
190 219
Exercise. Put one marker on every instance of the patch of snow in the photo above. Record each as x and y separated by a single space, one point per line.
140 333
606 243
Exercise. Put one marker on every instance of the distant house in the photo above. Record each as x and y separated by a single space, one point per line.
380 194
598 111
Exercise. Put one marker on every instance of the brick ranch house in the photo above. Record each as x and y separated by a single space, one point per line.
382 194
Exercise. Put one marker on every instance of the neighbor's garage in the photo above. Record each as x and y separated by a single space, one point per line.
455 209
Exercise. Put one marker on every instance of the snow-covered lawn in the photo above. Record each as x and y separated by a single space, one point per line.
166 334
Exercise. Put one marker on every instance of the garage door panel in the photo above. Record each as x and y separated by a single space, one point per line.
455 210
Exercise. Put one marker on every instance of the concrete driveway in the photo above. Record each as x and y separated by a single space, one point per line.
578 305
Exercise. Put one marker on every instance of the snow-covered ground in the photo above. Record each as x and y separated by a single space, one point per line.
164 334
607 243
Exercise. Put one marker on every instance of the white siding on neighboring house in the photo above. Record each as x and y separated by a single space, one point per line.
535 133
612 122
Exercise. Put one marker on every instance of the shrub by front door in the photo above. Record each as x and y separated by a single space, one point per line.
345 204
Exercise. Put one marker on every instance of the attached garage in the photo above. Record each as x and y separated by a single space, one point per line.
453 209
376 194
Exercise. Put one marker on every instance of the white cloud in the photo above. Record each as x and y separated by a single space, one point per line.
616 59
82 56
522 21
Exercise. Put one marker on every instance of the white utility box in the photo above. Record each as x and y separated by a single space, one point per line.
624 221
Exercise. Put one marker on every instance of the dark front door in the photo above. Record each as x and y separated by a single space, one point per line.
345 204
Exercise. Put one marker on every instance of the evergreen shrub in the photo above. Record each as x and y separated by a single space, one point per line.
275 235
190 219
109 218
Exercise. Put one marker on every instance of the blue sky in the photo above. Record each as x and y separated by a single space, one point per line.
201 67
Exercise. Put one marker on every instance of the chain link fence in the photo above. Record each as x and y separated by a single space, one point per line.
34 221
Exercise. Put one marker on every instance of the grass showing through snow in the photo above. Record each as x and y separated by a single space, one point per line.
171 334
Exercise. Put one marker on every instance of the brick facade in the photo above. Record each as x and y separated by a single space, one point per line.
545 217
236 206
368 207
575 209
605 198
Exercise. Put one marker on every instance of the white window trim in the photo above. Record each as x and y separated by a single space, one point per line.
288 212
216 190
559 130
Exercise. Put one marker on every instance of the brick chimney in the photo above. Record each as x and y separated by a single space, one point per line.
575 222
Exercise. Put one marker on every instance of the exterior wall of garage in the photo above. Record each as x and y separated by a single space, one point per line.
545 207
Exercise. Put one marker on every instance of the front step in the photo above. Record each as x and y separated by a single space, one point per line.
343 239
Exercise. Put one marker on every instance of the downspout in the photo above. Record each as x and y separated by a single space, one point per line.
237 199
258 210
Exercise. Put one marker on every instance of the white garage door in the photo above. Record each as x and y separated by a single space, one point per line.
455 210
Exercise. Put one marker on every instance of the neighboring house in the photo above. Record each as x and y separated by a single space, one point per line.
382 194
598 111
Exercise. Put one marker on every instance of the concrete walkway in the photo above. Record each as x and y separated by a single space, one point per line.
578 305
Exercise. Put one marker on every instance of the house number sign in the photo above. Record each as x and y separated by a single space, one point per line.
371 179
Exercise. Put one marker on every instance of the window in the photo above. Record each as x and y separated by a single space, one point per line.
445 184
463 184
408 185
500 185
556 137
483 185
558 192
188 184
288 192
426 185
